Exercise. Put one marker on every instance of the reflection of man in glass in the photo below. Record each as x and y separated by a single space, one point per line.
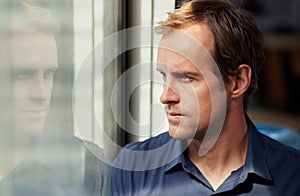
34 61
45 160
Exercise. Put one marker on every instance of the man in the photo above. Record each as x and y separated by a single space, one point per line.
200 40
33 63
41 159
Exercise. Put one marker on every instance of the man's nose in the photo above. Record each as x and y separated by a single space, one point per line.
39 90
169 96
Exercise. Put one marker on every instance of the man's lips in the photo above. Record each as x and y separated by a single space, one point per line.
36 110
35 113
174 116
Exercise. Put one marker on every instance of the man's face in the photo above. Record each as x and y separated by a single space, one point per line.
34 61
187 94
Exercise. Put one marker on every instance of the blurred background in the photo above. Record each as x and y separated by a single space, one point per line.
277 101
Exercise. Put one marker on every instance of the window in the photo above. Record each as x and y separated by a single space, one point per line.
66 40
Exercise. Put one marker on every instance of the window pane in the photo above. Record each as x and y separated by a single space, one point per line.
39 153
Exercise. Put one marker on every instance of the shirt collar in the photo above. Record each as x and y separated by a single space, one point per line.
255 158
180 159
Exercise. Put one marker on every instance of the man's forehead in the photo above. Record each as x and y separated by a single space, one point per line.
34 64
194 61
33 68
38 52
178 66
187 50
197 37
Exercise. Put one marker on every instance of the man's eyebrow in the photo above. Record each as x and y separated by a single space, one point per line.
187 73
52 68
23 70
157 69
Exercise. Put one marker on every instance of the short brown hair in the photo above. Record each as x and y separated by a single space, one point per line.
30 14
237 37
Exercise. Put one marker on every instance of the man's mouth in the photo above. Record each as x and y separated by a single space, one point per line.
174 117
35 111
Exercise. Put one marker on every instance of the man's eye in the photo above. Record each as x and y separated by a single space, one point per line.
184 77
49 73
163 76
21 75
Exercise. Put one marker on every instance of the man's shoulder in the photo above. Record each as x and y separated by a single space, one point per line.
149 144
270 148
152 153
283 161
283 165
277 149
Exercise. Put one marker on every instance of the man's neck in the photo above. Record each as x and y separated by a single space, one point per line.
12 159
227 155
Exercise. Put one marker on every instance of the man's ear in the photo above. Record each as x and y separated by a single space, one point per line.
241 81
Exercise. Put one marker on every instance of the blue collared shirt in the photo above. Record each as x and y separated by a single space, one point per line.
270 169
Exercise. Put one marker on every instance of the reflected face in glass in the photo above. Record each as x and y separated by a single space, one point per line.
34 61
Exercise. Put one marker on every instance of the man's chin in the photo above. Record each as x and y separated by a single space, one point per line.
181 133
35 129
29 129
